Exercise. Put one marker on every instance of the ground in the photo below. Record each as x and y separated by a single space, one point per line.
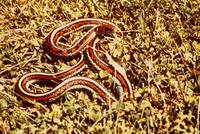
159 50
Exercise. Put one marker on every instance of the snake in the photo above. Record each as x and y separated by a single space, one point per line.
88 43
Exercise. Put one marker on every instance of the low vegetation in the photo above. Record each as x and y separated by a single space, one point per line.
159 50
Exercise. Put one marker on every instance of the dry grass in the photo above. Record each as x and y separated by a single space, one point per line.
160 48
